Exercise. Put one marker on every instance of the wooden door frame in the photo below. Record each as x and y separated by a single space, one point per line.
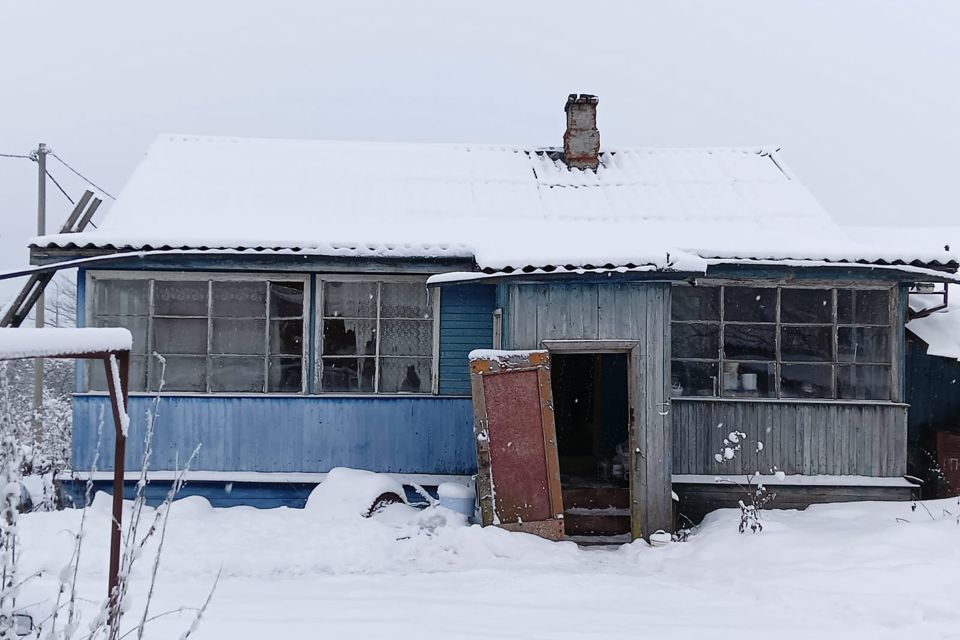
632 349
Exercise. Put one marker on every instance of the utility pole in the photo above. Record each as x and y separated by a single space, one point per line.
41 156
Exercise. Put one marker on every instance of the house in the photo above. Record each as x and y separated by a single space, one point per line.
315 302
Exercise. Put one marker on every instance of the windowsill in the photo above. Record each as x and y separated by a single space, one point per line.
889 403
238 394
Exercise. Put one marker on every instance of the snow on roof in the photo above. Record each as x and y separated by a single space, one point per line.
505 206
50 343
941 329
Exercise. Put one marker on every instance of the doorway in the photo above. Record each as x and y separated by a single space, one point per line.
591 397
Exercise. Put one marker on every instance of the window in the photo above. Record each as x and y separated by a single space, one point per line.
376 337
216 334
781 342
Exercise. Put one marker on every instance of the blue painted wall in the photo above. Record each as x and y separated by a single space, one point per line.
282 433
466 323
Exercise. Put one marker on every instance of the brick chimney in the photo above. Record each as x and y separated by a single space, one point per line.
581 141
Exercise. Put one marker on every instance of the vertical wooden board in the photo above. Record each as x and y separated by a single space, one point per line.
589 312
606 310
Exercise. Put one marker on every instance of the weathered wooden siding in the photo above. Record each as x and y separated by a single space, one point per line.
466 323
624 311
285 434
809 438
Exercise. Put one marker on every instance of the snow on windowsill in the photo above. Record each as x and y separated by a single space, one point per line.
794 480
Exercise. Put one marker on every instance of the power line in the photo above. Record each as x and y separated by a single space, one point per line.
54 180
14 155
83 177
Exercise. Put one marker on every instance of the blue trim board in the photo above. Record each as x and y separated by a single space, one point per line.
426 434
466 323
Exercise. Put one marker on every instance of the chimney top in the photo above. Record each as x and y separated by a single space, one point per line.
581 141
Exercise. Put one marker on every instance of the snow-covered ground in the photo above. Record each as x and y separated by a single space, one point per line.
861 570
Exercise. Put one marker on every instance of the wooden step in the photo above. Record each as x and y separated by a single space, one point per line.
596 522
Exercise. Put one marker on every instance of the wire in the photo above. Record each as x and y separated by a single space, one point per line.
61 188
83 177
14 155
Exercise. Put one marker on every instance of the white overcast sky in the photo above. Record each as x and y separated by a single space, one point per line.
862 95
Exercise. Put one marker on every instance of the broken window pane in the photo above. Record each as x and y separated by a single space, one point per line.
406 337
749 342
863 382
180 335
347 374
350 299
863 306
749 379
122 297
806 306
349 337
286 337
695 340
182 373
286 299
693 378
236 373
405 375
806 344
239 299
180 298
806 381
863 344
285 375
238 336
750 304
695 303
405 300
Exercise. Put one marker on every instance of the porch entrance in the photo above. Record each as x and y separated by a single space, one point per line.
591 398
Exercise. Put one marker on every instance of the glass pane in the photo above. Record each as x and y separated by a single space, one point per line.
136 324
183 373
693 378
698 340
285 374
232 373
863 306
286 336
350 299
97 379
806 381
863 382
349 337
240 299
749 342
405 300
180 298
806 306
695 303
122 297
180 335
863 344
347 374
286 299
241 337
806 344
405 375
406 337
748 304
749 379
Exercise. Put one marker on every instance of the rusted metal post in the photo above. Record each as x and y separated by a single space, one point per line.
118 399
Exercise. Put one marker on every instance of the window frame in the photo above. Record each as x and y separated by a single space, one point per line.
892 364
321 279
90 282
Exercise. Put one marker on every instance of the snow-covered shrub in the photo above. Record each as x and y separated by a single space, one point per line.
756 497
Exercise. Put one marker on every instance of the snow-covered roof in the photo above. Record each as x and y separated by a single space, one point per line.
504 206
53 342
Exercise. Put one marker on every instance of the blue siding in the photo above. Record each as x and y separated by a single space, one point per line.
466 323
287 434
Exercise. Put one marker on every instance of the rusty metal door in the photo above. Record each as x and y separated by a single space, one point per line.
518 471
